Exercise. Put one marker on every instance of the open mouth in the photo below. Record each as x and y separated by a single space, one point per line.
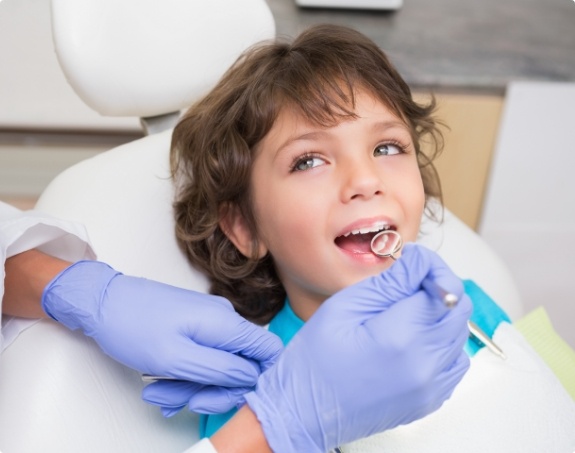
359 241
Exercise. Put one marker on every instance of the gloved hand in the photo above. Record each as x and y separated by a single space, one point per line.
375 355
162 330
171 397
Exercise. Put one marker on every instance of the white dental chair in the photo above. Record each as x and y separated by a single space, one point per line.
58 392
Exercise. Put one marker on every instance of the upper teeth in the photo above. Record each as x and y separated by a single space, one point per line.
371 229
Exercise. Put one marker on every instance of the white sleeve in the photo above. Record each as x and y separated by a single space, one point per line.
21 231
204 446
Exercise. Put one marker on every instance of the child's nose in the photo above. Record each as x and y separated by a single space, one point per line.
361 181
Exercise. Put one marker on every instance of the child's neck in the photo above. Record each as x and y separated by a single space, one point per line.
304 307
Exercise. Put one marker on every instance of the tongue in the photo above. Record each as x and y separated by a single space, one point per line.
355 243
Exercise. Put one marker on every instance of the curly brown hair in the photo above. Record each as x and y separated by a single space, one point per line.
213 145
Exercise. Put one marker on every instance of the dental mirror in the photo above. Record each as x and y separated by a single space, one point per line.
387 244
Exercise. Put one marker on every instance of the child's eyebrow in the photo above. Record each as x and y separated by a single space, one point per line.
382 126
307 136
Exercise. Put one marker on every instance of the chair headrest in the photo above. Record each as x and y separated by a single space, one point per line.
147 57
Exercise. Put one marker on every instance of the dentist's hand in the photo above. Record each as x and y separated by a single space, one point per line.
162 330
376 355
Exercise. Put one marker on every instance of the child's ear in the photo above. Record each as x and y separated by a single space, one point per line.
235 227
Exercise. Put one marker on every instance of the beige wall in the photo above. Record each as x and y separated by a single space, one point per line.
463 166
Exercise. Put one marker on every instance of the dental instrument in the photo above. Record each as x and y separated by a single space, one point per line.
479 335
388 243
152 378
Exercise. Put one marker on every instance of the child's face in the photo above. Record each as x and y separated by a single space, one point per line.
312 186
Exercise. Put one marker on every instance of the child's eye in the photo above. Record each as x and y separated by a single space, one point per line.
306 163
387 149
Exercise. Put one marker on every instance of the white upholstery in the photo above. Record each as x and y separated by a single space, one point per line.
58 393
148 57
124 197
472 258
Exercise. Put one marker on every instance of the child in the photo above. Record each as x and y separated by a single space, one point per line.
289 167
288 116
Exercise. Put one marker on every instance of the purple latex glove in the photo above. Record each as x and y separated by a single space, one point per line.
171 397
375 355
162 330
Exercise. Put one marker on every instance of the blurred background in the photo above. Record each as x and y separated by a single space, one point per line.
503 74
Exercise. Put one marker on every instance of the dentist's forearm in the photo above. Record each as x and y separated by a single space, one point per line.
27 274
